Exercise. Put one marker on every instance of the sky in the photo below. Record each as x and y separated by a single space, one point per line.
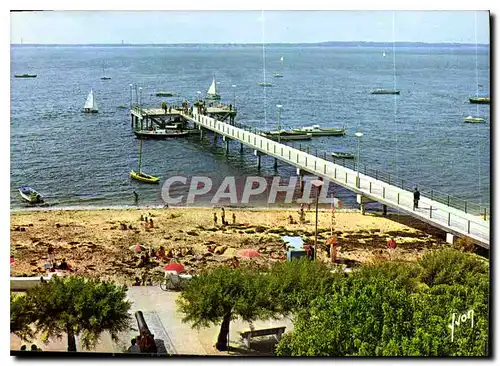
164 27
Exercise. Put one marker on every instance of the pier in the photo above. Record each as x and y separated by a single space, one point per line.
457 219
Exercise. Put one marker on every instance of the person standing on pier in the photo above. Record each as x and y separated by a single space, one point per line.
136 197
215 218
416 198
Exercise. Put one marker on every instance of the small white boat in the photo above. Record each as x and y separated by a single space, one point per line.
30 195
90 104
316 130
265 84
277 74
470 119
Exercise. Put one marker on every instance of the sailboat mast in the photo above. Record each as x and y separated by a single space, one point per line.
140 155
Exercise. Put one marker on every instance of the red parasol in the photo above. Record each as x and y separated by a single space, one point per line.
177 267
248 253
12 259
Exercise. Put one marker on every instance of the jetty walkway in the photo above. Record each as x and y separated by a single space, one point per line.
457 219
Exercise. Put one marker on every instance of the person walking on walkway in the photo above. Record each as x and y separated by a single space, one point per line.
416 198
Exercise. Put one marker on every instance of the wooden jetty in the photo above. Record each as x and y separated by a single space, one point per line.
454 221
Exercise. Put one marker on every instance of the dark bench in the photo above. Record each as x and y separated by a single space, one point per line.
249 334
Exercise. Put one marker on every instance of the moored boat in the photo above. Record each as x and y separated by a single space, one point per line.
90 104
265 84
160 134
141 176
342 155
316 130
286 135
164 94
30 195
480 100
212 91
385 91
25 75
470 119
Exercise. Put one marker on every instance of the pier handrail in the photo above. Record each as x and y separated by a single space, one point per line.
453 219
431 193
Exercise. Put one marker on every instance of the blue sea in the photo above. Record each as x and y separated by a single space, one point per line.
76 159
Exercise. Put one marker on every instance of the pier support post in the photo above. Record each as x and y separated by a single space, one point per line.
362 200
215 138
201 133
384 210
241 147
258 154
227 147
275 164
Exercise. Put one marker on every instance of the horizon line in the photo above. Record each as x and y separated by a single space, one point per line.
251 43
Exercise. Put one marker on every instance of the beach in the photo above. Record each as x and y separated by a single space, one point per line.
100 243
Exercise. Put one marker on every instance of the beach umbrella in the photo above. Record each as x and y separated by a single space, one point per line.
177 267
11 259
137 248
248 253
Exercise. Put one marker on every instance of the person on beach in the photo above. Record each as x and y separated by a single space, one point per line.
223 216
391 243
416 198
50 255
136 198
215 218
234 219
64 266
161 253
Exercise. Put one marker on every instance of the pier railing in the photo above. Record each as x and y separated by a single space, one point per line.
372 184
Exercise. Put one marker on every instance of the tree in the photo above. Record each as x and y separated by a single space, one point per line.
398 309
71 305
223 294
294 284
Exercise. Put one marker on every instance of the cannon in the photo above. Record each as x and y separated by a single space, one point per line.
146 340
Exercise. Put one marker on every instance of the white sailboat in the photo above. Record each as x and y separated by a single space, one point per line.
383 54
212 91
90 104
277 74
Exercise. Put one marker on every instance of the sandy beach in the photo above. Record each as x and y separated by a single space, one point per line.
97 242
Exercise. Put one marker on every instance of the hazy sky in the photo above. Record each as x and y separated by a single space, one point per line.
69 27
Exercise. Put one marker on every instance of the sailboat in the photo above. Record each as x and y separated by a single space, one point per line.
90 105
139 175
383 54
212 91
104 77
264 83
277 74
